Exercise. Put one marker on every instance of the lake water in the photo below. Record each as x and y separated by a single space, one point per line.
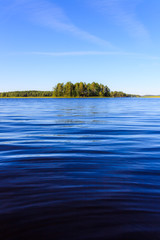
80 169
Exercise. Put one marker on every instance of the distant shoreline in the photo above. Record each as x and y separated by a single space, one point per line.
66 97
69 90
150 97
74 97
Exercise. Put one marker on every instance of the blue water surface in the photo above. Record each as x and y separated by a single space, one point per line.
80 169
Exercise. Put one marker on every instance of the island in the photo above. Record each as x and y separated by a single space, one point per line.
69 90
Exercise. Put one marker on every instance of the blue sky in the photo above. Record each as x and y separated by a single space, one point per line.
114 42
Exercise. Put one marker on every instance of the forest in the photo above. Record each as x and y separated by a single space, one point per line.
69 90
81 90
86 90
25 94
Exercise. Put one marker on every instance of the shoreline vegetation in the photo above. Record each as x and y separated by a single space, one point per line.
70 90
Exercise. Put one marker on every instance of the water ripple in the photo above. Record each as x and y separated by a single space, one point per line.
79 169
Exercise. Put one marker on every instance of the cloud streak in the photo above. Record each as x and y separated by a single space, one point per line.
49 15
90 53
122 12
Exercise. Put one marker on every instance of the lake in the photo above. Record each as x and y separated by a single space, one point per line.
80 169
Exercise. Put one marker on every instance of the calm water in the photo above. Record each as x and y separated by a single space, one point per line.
79 169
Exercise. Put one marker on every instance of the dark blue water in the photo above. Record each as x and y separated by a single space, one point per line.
79 169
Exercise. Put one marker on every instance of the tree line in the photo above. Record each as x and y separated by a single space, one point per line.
69 89
27 94
82 89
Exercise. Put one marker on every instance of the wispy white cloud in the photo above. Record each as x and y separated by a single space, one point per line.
90 53
124 14
49 15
